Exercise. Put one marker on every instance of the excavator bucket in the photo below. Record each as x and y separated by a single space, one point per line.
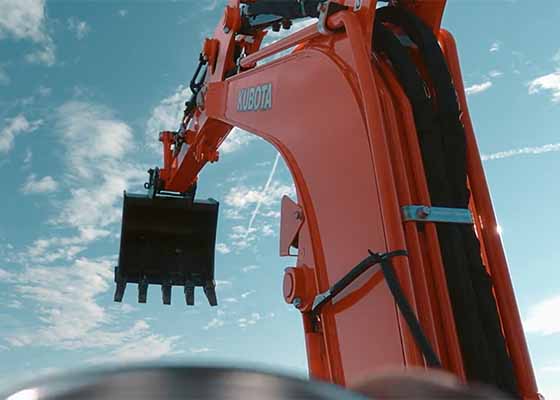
167 241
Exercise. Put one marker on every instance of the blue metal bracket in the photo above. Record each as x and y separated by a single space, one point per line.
437 214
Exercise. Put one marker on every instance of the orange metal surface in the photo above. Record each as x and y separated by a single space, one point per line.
509 312
417 268
345 129
435 274
291 220
344 226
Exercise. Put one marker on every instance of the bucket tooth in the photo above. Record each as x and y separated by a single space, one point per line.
119 291
120 286
189 293
143 291
210 292
166 293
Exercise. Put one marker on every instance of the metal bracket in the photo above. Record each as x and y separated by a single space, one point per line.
421 213
153 186
326 9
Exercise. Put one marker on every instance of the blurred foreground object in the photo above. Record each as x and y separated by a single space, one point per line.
173 383
420 384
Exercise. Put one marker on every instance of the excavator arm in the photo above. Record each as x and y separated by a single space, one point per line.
368 111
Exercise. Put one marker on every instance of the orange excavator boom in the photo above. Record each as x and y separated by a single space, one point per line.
399 260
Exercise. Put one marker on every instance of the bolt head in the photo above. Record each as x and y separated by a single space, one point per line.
297 302
423 212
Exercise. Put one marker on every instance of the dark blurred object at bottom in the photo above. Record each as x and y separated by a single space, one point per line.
188 383
423 384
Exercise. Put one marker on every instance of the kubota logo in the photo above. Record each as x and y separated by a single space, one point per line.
255 98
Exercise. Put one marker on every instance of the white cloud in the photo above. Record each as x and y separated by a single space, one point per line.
271 214
98 206
214 323
211 5
44 185
267 230
233 214
547 148
66 302
550 83
250 268
478 88
230 300
13 128
15 304
95 144
252 319
197 350
5 276
223 248
28 158
46 251
551 368
236 139
541 318
495 47
23 19
122 13
495 73
166 116
220 283
91 135
242 237
26 19
243 197
264 191
45 55
44 91
4 78
141 348
78 27
263 201
125 308
71 318
247 294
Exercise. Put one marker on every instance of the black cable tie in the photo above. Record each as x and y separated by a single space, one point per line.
373 259
384 260
406 310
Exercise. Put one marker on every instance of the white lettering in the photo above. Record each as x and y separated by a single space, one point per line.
240 100
267 105
258 92
251 99
255 98
245 99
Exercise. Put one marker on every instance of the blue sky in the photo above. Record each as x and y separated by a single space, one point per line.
84 89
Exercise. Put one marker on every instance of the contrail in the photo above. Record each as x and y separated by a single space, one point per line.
547 148
265 189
